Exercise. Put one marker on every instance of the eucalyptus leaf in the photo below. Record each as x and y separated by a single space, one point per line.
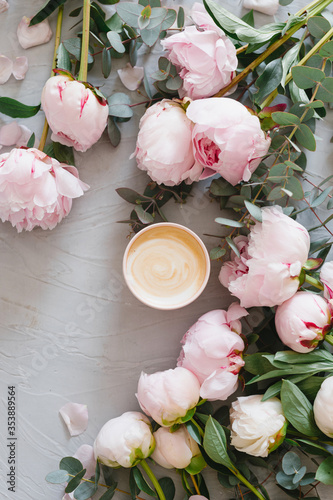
132 196
269 80
289 60
106 63
305 137
15 109
116 42
73 46
318 26
254 210
291 463
129 13
85 491
327 50
63 59
71 465
115 23
285 119
217 253
75 481
169 19
180 17
46 11
232 245
57 477
144 216
322 197
294 185
229 222
306 77
108 2
325 91
297 409
119 105
150 36
113 132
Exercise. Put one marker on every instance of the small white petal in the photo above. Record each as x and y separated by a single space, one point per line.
25 136
3 5
75 416
268 7
20 67
29 36
86 456
131 77
6 68
10 134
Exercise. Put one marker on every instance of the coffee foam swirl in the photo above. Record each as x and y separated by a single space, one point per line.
166 266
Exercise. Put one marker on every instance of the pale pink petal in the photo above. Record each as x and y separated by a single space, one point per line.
87 458
131 77
25 136
3 5
20 67
10 134
268 7
236 311
6 68
75 416
29 36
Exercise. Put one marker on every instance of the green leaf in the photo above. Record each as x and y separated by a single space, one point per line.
193 431
71 465
98 15
168 487
257 364
221 187
115 23
285 2
57 477
85 490
180 17
46 11
294 185
286 481
275 194
321 198
64 154
324 472
249 18
75 12
150 36
15 109
119 105
174 83
306 77
305 137
196 465
73 46
142 483
108 2
318 26
293 166
109 493
327 50
269 80
286 119
215 444
144 216
229 222
74 483
134 489
217 253
291 463
63 59
106 63
289 60
113 132
116 42
232 245
297 409
169 19
254 210
31 141
129 13
325 91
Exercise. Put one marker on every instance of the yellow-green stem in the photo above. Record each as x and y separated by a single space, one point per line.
195 485
82 76
54 64
201 432
248 484
153 479
329 339
314 282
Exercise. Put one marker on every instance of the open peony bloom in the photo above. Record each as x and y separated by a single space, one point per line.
174 449
30 36
36 190
268 7
131 77
6 69
167 396
257 427
75 416
323 407
227 138
271 259
164 144
303 321
124 441
212 350
3 5
326 277
75 115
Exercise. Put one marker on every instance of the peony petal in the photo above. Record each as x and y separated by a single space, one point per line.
131 77
86 456
6 68
3 5
10 134
75 416
25 136
268 7
20 67
30 36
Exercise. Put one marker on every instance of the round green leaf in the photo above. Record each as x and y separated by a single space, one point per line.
325 471
71 465
291 463
306 77
318 26
57 477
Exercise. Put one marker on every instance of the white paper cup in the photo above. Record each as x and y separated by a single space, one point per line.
166 266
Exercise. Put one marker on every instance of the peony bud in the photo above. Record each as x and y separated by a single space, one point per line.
164 144
227 138
323 407
212 350
167 396
35 189
124 441
257 427
271 259
174 449
75 115
303 321
326 277
30 36
268 7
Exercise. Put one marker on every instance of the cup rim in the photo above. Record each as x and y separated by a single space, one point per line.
207 260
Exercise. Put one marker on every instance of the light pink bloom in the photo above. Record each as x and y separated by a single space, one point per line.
323 407
125 440
212 350
268 7
75 416
75 115
164 144
326 277
227 138
202 19
14 134
174 449
36 190
270 262
257 427
303 321
206 60
130 76
20 67
167 396
3 5
6 69
30 36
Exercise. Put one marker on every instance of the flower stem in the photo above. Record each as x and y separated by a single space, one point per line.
314 282
198 427
196 487
153 479
54 63
247 483
82 76
329 339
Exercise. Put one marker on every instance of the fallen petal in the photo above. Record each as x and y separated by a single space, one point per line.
75 416
20 67
29 36
131 77
87 458
3 5
268 7
10 134
25 136
6 68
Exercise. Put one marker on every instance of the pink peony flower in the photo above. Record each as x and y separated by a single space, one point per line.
227 138
323 407
202 19
164 144
268 7
326 277
174 449
303 320
30 36
206 60
271 258
36 190
75 115
167 396
211 350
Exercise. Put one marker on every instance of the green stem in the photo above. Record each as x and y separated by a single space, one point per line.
314 282
153 479
247 483
329 339
198 427
82 76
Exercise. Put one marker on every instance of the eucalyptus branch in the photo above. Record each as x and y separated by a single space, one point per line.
82 76
106 486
